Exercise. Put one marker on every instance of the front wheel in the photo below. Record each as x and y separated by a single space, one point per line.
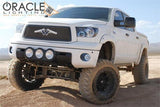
19 75
100 84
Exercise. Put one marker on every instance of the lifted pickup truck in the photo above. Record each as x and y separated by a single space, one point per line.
88 45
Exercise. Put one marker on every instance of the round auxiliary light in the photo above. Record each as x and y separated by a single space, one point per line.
49 54
85 57
39 53
29 52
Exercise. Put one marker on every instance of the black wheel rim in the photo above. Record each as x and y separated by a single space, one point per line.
104 84
27 74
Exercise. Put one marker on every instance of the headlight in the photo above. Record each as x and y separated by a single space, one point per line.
39 53
90 32
86 31
29 52
49 54
19 28
81 34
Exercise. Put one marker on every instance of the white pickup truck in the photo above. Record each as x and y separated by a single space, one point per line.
88 45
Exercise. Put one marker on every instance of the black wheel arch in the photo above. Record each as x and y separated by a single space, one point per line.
107 51
144 52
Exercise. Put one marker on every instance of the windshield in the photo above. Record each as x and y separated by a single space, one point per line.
102 14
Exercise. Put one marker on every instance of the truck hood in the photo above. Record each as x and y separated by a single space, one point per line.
66 21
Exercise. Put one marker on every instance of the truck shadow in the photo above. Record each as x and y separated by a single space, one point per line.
128 94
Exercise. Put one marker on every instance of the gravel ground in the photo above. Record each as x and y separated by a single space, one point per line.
60 93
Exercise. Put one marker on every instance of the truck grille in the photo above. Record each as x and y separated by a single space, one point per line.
45 32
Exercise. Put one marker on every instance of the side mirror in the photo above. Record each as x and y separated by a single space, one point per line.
130 22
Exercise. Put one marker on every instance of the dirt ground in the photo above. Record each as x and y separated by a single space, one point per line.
60 93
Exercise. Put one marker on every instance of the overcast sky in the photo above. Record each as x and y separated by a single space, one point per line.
146 12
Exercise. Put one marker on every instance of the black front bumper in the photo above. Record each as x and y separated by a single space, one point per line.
60 58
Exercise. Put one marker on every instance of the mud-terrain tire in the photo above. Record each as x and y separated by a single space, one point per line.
99 85
16 79
141 71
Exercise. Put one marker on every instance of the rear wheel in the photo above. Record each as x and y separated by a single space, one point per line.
141 70
100 84
20 76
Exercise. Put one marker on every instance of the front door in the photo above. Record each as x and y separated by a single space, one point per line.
126 41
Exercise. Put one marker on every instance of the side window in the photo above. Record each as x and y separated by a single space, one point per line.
119 17
130 29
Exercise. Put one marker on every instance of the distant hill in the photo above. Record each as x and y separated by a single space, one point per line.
4 54
154 49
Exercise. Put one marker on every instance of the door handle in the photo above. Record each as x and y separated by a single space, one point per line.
127 34
137 37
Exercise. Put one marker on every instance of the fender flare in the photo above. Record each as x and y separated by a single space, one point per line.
108 38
